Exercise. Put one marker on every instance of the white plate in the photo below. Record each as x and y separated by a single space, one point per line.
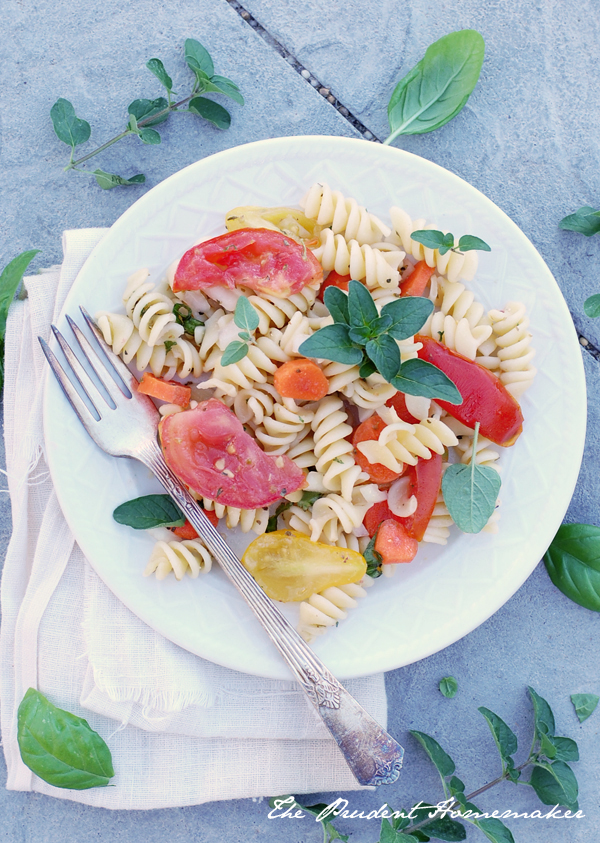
446 592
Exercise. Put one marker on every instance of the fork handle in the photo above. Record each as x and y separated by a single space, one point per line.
371 753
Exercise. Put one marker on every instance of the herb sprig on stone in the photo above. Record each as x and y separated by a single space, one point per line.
361 336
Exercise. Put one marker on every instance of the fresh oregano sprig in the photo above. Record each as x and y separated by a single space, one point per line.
245 317
438 86
434 239
585 221
143 114
363 337
470 492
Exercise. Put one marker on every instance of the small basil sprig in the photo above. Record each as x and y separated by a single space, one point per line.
149 511
573 563
373 558
585 221
470 492
59 747
438 87
143 114
11 277
360 336
246 318
184 317
433 239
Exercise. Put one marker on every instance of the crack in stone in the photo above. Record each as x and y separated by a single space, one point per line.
303 72
589 347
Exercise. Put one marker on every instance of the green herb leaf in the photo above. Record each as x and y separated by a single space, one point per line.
109 180
367 368
505 738
384 352
591 306
332 343
456 786
470 492
272 522
336 302
444 828
198 58
149 511
59 747
361 335
448 686
145 109
433 239
544 719
308 499
245 315
468 243
234 352
409 314
211 111
565 749
417 377
361 307
495 830
11 277
585 705
373 559
169 344
437 88
183 316
156 67
554 784
69 128
585 221
573 563
209 86
149 136
441 760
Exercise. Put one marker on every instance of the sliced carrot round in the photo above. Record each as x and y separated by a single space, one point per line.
174 393
301 379
417 280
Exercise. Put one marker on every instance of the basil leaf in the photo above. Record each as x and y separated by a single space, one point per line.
367 368
211 111
219 88
308 499
11 277
495 830
373 559
437 88
433 239
448 686
336 302
109 180
591 306
384 352
184 317
444 828
234 352
59 747
198 58
468 243
409 314
585 221
145 109
361 307
332 343
417 377
245 315
149 136
149 511
69 128
585 705
573 563
156 67
554 784
470 493
272 523
441 760
544 719
505 738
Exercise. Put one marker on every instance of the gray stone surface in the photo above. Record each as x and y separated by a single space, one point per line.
527 139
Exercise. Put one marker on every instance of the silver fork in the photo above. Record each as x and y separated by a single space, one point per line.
128 428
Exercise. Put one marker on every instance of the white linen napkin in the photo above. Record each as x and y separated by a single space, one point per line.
181 730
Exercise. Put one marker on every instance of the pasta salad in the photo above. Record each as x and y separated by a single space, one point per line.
320 454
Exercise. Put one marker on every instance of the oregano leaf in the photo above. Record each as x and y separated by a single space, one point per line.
211 111
234 352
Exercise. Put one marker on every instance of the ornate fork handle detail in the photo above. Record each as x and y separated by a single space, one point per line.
371 753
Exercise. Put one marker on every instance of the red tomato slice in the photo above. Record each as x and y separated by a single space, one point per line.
370 429
375 515
394 544
334 280
485 400
209 450
188 531
425 481
263 260
398 402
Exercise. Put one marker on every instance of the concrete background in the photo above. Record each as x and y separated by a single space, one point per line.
527 138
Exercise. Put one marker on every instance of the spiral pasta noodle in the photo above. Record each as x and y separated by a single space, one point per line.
276 312
150 310
438 529
326 608
514 351
344 216
277 432
247 520
181 557
376 265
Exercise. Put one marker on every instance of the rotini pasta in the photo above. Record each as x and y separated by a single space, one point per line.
344 216
377 265
327 608
181 557
514 351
